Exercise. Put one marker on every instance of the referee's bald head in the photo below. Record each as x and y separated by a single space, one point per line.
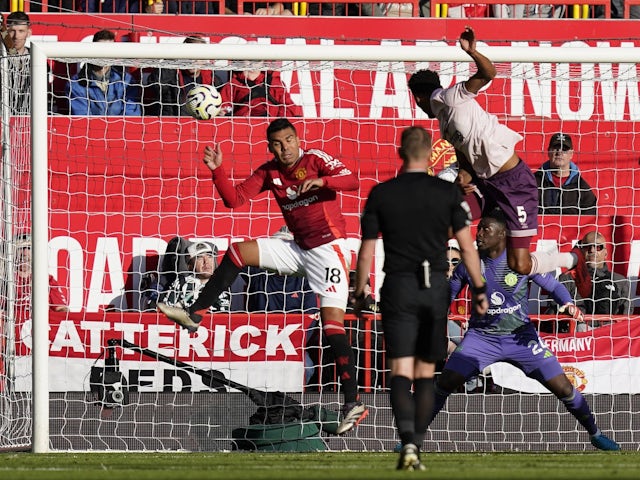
415 146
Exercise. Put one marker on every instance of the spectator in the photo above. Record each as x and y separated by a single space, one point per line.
257 93
562 188
261 8
459 304
610 294
190 7
18 31
110 6
186 288
166 89
529 11
102 90
617 10
155 7
57 296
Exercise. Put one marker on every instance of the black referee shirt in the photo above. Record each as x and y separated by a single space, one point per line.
413 212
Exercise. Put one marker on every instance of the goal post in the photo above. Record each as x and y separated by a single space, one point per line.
390 58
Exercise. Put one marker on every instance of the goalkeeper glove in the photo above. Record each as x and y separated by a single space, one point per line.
572 311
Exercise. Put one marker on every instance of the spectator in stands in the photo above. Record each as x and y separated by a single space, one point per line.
110 6
529 11
617 10
610 289
103 89
258 93
23 265
186 288
165 93
562 188
189 7
155 7
468 10
16 32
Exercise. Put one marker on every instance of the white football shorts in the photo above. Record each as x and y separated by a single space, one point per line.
326 267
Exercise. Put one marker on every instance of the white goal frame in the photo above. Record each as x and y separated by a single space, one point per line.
42 51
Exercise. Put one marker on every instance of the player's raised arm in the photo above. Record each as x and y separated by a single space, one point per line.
232 196
212 156
486 69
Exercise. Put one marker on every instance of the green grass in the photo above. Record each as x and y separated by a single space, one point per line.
309 466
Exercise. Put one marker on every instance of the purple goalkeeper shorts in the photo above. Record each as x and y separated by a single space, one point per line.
522 349
516 193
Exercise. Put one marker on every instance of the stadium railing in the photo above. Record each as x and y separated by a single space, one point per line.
580 10
577 10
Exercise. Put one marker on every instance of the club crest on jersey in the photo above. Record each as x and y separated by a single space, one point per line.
300 174
292 192
511 279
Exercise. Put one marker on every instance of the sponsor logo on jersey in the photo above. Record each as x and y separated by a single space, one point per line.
497 298
305 202
292 192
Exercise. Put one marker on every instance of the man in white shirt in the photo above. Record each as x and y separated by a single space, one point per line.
485 150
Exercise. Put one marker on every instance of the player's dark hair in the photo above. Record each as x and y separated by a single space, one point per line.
498 216
414 141
277 125
18 18
103 35
423 82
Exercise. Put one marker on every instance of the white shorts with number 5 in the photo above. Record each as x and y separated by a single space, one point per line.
326 267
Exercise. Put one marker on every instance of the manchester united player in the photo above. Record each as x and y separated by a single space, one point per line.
305 185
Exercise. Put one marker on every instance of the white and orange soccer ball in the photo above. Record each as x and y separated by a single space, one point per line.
203 102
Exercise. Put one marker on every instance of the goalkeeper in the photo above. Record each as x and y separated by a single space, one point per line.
506 334
485 150
305 184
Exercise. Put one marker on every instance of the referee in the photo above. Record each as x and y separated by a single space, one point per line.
415 214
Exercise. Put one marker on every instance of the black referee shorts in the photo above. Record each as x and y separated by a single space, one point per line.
414 319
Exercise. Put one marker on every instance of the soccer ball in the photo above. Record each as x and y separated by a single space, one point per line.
203 102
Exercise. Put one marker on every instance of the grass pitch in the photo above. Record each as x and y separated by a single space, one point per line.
323 465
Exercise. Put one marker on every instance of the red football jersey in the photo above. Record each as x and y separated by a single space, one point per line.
314 217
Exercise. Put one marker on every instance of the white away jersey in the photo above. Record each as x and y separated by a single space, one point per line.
486 143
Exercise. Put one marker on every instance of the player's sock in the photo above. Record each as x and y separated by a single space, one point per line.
423 397
439 399
543 262
222 277
579 408
345 360
404 408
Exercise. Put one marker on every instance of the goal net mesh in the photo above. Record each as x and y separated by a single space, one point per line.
121 187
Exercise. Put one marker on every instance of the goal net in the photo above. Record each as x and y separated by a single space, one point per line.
106 194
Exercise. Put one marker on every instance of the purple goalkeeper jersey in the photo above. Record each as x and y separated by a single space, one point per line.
508 294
